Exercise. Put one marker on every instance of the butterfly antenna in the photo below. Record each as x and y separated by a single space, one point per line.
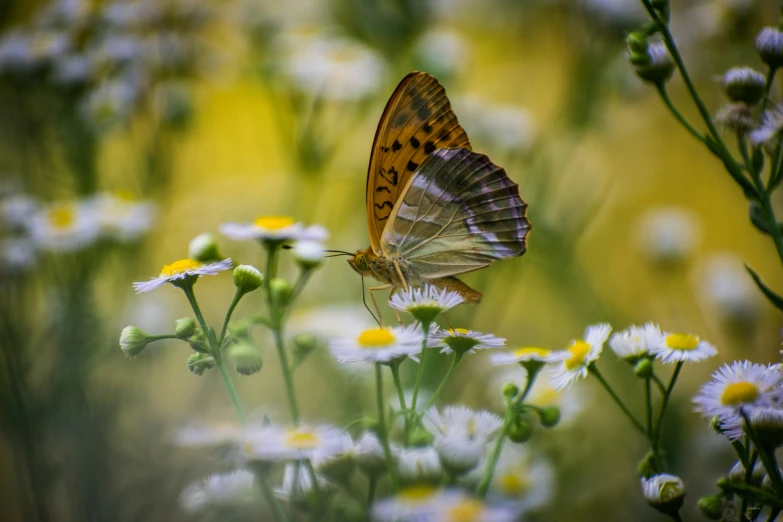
364 300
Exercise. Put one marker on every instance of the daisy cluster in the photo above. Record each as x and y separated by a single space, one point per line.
32 227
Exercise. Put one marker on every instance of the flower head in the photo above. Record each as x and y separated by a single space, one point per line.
369 454
274 228
521 480
631 344
65 227
181 272
298 483
461 435
219 488
741 385
378 345
419 465
744 84
737 117
655 66
425 304
121 217
276 443
523 355
580 355
664 492
309 253
667 234
570 402
771 127
769 44
462 341
676 347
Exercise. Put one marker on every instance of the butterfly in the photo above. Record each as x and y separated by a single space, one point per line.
435 208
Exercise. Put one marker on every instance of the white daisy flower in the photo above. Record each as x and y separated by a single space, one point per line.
17 254
419 464
413 503
461 436
425 304
678 347
522 480
524 354
309 253
274 228
378 345
580 355
457 506
64 227
275 443
464 341
180 271
17 211
771 127
298 483
218 489
740 385
123 218
667 234
663 491
631 344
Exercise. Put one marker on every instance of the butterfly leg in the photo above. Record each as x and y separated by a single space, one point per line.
443 314
399 274
375 303
399 321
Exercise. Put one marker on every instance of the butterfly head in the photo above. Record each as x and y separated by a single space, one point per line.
361 261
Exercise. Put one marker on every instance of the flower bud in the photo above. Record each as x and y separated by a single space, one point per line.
655 66
369 454
184 328
769 44
245 358
204 248
198 363
198 342
768 427
637 42
643 368
550 416
459 453
280 291
133 340
247 278
304 344
664 492
646 467
736 117
420 437
309 254
337 468
419 465
520 431
510 390
711 507
744 84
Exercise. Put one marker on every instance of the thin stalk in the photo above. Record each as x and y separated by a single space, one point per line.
293 406
678 115
232 391
748 474
768 87
382 433
446 378
271 499
152 338
667 394
371 489
767 457
188 289
420 372
775 167
659 384
744 489
395 370
316 487
237 296
617 400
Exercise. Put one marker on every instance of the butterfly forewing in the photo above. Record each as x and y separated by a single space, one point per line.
416 122
458 213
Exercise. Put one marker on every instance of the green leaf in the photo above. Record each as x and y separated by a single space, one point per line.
773 298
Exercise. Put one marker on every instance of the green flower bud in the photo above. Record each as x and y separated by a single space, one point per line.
646 467
133 340
744 84
184 328
664 492
337 468
550 416
247 278
198 342
304 344
520 431
712 506
421 437
510 391
198 363
281 292
204 248
637 42
658 66
643 368
245 358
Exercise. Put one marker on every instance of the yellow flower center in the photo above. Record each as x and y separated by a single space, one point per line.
458 331
579 351
538 352
62 217
678 341
545 396
416 494
513 485
301 439
466 511
273 222
376 338
739 393
471 427
179 267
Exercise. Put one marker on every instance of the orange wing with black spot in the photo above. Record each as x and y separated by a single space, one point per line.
417 121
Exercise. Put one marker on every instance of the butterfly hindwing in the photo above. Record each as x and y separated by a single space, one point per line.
417 121
459 212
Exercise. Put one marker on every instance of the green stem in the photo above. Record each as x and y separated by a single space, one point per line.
676 113
511 412
768 88
271 499
744 489
748 474
769 214
775 167
446 378
293 406
300 283
371 489
153 338
667 394
316 486
383 435
232 391
638 425
237 296
767 457
420 372
395 370
742 144
659 384
188 289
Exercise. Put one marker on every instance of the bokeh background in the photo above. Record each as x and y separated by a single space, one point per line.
129 127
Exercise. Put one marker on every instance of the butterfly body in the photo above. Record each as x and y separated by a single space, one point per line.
435 208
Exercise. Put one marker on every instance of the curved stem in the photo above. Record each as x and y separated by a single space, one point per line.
446 378
420 372
188 289
232 391
665 402
678 115
383 435
395 370
659 384
237 296
638 425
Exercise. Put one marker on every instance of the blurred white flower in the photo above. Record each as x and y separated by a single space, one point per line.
335 68
330 322
217 489
425 503
207 435
419 464
64 226
667 234
633 342
725 286
109 105
442 52
298 482
16 255
72 70
276 443
507 127
618 12
461 436
17 211
273 228
522 480
123 218
570 401
370 456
